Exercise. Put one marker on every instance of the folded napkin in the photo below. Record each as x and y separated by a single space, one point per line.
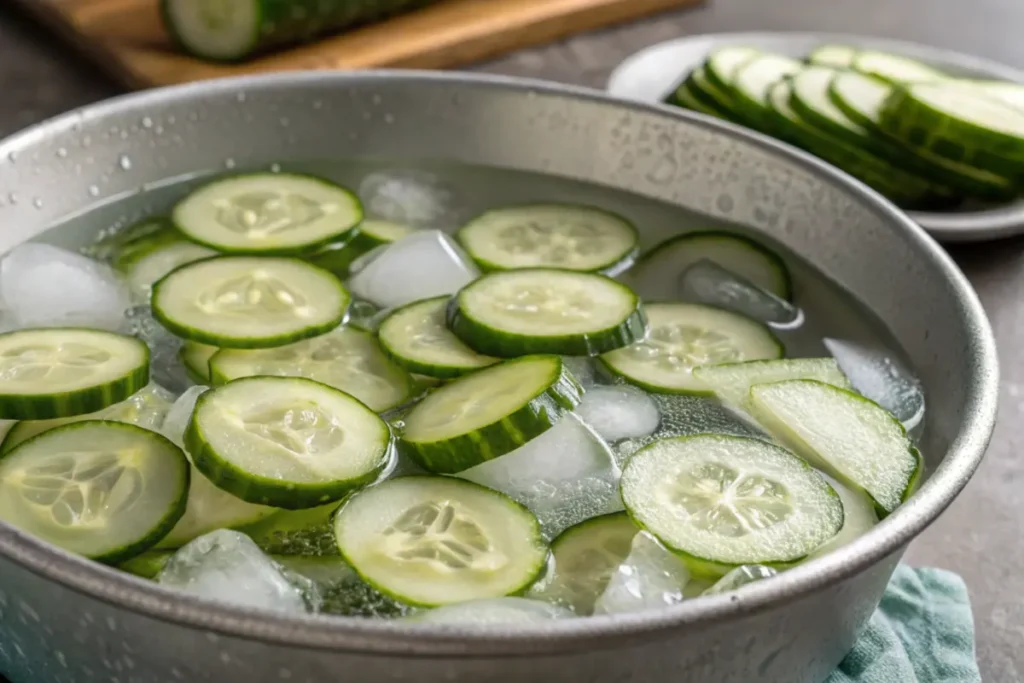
922 632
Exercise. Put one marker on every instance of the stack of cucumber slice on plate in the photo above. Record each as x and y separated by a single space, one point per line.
925 139
357 449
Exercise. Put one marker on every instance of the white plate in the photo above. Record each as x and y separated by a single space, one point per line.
654 72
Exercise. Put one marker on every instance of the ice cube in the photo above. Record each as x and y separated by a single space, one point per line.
739 577
619 412
227 566
165 366
45 286
421 266
859 517
565 475
494 611
882 379
411 197
342 591
583 369
650 577
706 282
176 421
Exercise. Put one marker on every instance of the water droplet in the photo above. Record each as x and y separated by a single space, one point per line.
159 130
241 97
171 120
367 115
225 657
124 134
94 191
284 121
317 104
284 674
147 122
12 198
229 163
62 152
375 99
125 163
86 141
37 202
275 168
12 157
193 116
389 118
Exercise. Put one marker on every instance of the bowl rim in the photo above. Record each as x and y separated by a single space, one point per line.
979 225
398 638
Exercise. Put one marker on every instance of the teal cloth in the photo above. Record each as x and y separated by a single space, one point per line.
922 632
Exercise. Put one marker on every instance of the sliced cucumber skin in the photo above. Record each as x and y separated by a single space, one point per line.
261 490
173 514
451 456
685 96
918 124
141 239
224 341
147 565
282 23
519 590
901 187
720 80
711 90
492 341
81 402
930 163
304 249
431 370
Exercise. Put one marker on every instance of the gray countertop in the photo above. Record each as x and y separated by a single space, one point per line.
979 536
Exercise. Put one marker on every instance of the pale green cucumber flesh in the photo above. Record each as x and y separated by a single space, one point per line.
431 541
721 501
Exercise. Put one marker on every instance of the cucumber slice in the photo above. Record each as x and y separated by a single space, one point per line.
685 336
754 80
247 302
61 372
586 556
417 338
894 68
1008 93
105 490
688 97
863 99
567 236
938 116
712 93
210 508
487 414
836 56
721 65
340 254
850 437
146 408
431 541
656 276
147 565
724 501
902 187
492 612
810 100
859 517
196 359
731 382
348 359
287 442
155 250
267 213
539 310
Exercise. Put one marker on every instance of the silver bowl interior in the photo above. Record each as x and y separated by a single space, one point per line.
62 167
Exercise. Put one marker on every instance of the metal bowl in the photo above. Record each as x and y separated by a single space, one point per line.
64 619
652 73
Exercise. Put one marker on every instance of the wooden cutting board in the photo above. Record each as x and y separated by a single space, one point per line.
126 37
